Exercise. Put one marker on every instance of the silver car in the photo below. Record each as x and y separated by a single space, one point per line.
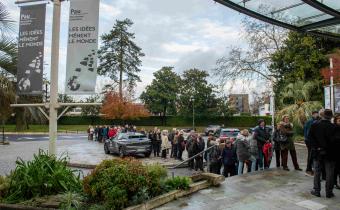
126 144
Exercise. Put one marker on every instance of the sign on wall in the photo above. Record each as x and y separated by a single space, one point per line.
31 49
81 70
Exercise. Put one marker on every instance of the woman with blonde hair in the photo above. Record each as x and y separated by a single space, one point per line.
287 144
165 145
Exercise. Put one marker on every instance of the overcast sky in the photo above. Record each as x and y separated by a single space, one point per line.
180 33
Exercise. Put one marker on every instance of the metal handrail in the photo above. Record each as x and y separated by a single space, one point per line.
194 156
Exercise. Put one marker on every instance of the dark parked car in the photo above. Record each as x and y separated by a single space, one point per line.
225 133
211 129
126 144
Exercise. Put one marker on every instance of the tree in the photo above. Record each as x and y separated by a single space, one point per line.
300 59
64 98
160 96
120 55
263 40
195 92
7 96
296 99
117 107
91 110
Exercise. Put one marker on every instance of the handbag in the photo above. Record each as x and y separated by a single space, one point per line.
283 138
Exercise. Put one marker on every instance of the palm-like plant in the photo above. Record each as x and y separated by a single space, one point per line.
297 101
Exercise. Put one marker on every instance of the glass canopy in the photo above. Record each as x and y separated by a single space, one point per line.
318 17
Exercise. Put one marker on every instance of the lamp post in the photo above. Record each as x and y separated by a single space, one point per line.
192 99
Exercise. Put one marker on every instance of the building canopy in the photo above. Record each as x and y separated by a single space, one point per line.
317 17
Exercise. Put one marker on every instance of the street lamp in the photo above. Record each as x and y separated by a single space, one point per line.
192 99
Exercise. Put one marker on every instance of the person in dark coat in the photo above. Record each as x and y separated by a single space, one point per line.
306 128
262 136
277 147
171 138
180 145
336 141
200 148
229 159
214 156
242 150
100 134
286 131
320 137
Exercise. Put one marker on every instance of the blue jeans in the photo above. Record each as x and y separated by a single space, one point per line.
260 160
240 167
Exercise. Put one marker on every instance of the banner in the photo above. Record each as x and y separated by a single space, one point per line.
337 99
81 65
327 93
31 49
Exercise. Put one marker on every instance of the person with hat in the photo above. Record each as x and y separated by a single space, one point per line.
214 156
306 128
320 137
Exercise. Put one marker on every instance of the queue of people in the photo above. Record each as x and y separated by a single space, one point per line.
323 142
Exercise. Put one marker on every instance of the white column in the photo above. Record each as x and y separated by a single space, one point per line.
332 84
53 122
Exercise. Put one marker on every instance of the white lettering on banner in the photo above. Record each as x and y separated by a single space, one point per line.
82 47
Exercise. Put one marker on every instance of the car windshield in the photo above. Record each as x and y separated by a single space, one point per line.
137 137
229 133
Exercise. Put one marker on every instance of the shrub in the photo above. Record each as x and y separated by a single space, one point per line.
44 175
4 186
177 183
120 182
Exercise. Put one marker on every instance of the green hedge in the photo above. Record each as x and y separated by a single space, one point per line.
236 121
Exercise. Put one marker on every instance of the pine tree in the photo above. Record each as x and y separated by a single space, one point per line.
120 56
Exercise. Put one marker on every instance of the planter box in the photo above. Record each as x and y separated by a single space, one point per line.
201 181
208 180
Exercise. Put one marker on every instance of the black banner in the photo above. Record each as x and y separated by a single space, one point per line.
31 49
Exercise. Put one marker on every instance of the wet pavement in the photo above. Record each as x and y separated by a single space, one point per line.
76 147
272 189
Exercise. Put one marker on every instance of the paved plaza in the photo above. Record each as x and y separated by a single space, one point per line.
273 190
77 147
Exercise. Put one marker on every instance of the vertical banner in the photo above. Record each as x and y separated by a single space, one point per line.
327 93
337 99
31 49
81 65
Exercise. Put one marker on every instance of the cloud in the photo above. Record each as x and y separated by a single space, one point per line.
183 48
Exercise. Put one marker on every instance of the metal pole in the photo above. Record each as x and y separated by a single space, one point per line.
53 122
332 84
193 113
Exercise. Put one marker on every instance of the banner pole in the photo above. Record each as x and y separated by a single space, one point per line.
53 121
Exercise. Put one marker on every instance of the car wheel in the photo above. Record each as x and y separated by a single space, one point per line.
121 152
147 154
106 149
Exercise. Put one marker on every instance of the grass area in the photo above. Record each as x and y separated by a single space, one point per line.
44 128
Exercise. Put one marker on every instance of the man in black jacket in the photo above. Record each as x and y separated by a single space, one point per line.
262 135
320 137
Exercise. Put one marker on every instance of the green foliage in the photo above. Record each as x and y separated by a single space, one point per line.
71 201
44 175
177 183
91 110
160 96
197 93
120 182
119 56
4 186
229 121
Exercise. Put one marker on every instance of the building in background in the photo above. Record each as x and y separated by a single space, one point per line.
239 103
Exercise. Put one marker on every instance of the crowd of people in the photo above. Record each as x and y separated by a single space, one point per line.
322 137
250 151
